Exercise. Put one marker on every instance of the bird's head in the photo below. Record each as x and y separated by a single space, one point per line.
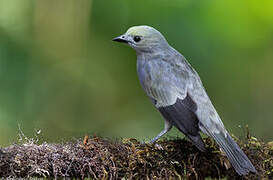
143 38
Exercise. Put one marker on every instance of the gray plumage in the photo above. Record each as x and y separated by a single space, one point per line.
177 92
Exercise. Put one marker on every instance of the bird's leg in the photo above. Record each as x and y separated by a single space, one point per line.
167 128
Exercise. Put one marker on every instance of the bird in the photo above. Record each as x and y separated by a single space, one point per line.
176 90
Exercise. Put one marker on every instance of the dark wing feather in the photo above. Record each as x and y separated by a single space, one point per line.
182 116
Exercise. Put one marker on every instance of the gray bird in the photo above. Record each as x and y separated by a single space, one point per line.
177 92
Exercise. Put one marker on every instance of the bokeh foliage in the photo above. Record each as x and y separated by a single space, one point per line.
61 74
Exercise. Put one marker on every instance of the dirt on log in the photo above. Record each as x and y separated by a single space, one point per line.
101 158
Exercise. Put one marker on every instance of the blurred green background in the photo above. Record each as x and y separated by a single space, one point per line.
61 73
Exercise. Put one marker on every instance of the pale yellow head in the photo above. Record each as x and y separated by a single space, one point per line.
143 38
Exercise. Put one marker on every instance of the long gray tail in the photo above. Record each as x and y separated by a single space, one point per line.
236 156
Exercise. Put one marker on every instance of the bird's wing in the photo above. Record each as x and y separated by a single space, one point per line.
182 116
166 84
163 82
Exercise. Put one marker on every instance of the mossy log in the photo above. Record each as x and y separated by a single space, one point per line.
100 158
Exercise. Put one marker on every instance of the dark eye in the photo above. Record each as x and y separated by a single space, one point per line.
137 38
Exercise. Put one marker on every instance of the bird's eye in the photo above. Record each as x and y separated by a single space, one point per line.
137 38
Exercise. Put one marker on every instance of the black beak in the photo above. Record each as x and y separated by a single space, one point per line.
120 39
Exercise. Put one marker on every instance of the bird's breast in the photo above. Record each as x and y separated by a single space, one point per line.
149 73
156 82
143 72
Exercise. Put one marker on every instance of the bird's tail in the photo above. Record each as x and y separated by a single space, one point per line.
236 156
